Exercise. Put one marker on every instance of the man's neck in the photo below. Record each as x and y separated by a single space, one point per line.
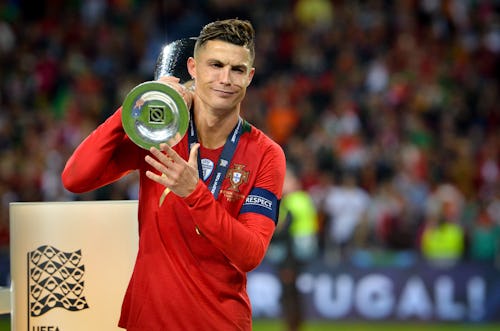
213 130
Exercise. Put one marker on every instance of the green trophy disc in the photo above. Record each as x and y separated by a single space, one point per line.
154 113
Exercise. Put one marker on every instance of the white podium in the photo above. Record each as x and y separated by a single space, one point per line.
70 263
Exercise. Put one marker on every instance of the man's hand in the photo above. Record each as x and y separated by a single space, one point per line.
175 173
186 93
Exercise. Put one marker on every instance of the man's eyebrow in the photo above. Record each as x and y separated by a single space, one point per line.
240 67
236 66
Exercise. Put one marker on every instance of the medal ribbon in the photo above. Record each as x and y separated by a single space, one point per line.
224 159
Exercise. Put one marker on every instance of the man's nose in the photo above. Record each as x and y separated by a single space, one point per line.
225 76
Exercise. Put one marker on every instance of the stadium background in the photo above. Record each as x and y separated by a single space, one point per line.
387 89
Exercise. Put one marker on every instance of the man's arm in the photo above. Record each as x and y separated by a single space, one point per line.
244 241
103 157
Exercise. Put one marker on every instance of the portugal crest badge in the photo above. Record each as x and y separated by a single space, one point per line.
237 176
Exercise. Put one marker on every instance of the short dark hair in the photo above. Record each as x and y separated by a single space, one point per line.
234 31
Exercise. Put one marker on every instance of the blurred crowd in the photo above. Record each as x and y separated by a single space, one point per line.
389 111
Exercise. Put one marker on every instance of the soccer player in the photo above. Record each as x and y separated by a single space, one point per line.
201 228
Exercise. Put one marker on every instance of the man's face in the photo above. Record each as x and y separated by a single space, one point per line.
222 72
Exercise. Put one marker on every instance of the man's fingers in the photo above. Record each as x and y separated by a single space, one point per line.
193 156
164 158
170 153
155 164
174 172
163 163
174 82
169 79
161 179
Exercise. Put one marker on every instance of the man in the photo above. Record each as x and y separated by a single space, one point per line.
296 239
196 242
346 205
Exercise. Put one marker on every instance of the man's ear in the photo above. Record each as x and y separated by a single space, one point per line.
191 65
250 76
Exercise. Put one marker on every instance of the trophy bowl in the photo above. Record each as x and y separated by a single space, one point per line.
154 113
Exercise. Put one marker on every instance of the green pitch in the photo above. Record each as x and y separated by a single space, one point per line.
376 326
4 323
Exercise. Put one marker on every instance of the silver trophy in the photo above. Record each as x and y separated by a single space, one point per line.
153 112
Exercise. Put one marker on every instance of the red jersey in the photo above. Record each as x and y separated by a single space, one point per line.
194 252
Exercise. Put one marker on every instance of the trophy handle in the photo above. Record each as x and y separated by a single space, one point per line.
173 58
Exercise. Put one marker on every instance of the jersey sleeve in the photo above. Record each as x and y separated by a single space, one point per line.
265 196
244 241
103 157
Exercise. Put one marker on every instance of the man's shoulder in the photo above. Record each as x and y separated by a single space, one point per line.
259 138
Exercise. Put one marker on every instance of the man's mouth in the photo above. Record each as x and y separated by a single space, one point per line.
223 92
